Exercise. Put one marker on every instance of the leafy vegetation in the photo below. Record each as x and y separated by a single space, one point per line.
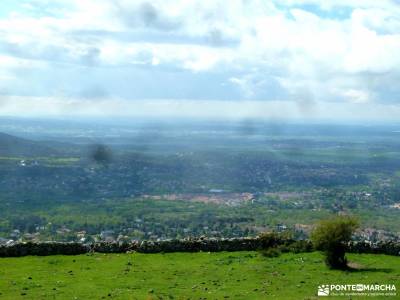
331 236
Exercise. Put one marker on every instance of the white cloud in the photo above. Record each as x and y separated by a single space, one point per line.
279 50
357 96
211 109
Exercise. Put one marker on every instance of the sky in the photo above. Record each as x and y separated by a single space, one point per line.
309 60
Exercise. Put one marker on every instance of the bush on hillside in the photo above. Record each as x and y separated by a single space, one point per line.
332 237
270 252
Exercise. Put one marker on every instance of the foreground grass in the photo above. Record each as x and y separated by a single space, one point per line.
237 275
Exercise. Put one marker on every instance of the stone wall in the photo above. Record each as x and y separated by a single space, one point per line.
185 245
42 249
389 248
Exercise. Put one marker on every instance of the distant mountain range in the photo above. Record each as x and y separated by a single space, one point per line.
14 146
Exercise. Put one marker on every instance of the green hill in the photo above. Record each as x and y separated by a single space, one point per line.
15 146
224 275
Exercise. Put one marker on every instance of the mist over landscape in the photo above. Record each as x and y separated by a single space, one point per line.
249 169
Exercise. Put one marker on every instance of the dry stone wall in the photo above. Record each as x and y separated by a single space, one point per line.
184 245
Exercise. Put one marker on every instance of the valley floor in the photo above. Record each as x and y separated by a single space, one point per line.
236 275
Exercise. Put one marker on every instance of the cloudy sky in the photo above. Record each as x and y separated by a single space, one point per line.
278 59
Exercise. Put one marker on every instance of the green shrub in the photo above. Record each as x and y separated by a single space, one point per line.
297 247
270 252
331 236
275 239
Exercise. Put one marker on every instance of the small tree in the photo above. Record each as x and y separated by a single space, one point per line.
331 236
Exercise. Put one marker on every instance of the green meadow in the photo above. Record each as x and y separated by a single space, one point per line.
225 275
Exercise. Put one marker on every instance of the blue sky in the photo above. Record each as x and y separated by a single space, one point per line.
285 60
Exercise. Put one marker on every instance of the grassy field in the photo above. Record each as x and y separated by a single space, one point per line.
237 275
